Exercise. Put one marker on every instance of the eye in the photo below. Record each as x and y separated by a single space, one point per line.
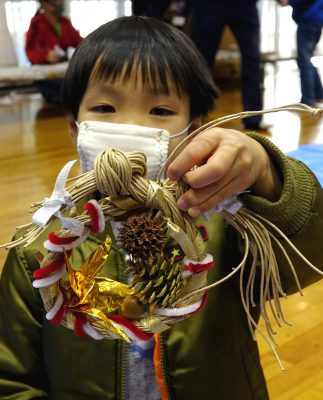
161 111
104 109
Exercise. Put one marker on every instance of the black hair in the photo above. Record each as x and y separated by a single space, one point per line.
163 54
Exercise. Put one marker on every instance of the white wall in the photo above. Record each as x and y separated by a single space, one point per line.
7 53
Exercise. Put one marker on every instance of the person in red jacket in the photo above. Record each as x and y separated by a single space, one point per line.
48 39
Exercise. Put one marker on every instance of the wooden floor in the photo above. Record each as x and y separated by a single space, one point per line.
34 145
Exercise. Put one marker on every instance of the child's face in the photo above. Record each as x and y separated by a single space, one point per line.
133 103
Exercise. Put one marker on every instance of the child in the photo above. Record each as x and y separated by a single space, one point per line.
127 78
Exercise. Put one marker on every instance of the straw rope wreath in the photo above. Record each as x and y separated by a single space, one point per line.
160 291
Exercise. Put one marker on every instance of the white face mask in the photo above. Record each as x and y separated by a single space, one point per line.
94 137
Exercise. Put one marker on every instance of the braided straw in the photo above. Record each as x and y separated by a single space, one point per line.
120 178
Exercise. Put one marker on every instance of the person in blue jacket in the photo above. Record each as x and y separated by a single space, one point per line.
308 15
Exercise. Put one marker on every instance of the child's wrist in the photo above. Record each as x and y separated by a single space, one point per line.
268 184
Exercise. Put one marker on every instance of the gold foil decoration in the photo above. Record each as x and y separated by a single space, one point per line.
107 324
112 294
82 281
93 295
93 265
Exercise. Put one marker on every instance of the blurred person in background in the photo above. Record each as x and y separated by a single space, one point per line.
49 40
174 12
209 18
308 15
139 6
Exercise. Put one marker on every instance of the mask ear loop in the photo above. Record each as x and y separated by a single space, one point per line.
182 132
233 117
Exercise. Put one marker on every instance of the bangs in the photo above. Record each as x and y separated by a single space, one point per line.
138 65
145 50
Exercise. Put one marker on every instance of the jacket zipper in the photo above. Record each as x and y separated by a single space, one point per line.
163 366
123 347
123 369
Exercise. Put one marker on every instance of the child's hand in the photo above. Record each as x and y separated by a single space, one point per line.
229 162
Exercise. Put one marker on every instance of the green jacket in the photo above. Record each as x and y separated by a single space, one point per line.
211 355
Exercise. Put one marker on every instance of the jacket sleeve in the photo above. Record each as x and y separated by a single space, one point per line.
36 54
298 214
74 36
22 375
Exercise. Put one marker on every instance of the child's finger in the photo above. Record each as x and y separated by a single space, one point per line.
227 191
193 154
218 166
194 197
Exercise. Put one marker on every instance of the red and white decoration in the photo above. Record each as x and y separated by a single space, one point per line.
192 267
181 311
95 212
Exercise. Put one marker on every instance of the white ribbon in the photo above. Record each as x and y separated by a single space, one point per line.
231 204
87 328
178 312
57 305
52 205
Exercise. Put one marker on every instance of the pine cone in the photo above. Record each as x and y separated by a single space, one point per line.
156 281
143 236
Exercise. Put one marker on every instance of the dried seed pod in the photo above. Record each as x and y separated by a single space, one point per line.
143 236
157 281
